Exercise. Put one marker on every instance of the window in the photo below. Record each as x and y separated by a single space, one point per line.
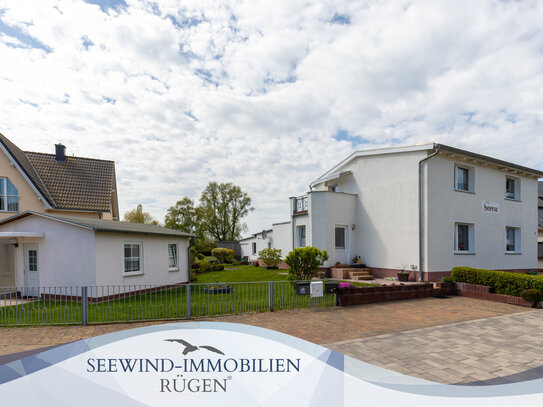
173 263
333 188
540 250
464 238
269 244
133 257
512 240
512 188
340 238
9 196
254 248
463 181
301 235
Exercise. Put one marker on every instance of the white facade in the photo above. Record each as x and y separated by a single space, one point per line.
49 252
368 206
250 246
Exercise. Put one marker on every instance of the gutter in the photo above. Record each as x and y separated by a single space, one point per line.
421 163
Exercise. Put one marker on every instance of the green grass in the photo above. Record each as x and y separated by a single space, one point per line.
172 303
241 273
358 283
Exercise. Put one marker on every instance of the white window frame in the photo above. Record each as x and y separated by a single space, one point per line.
518 240
136 272
176 268
517 185
471 238
344 229
5 196
471 178
299 236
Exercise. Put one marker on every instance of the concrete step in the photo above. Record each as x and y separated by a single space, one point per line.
370 277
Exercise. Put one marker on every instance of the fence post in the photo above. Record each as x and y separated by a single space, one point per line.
270 295
187 291
84 306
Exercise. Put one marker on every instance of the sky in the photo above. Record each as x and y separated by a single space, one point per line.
266 94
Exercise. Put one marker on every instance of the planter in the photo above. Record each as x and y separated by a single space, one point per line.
330 287
301 287
218 290
359 266
403 277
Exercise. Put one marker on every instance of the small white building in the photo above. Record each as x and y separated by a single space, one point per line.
431 206
44 250
250 246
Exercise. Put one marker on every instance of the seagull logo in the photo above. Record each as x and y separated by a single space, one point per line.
192 348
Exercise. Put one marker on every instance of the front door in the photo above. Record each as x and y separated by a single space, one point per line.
341 245
31 270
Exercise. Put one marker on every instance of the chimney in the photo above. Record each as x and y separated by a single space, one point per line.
60 153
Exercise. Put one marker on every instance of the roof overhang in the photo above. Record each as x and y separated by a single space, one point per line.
332 177
20 234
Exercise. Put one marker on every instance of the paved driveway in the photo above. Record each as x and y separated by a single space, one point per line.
453 340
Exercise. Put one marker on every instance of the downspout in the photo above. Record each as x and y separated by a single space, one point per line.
421 162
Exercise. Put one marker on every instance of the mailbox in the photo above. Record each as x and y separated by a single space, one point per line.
316 289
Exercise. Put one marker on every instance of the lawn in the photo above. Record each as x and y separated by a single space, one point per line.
249 293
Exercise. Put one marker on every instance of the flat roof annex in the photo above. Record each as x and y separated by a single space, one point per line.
101 225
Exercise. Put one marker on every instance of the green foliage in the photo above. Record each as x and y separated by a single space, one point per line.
220 254
532 295
200 256
447 280
138 216
205 266
223 206
501 282
532 272
270 257
230 256
184 216
304 262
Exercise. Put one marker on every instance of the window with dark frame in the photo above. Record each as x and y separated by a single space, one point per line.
462 238
340 238
172 256
254 247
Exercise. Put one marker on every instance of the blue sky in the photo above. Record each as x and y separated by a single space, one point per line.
267 95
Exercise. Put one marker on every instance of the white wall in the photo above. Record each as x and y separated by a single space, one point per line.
386 208
282 238
110 260
66 252
447 206
247 245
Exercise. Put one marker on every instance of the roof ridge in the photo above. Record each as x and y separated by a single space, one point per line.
73 156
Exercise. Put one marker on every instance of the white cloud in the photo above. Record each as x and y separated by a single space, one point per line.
253 92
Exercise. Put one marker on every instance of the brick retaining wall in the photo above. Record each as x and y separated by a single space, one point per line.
482 292
368 295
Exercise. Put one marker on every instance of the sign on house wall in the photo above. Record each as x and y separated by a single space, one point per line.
490 207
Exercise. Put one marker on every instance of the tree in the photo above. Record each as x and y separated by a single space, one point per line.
222 207
138 216
183 216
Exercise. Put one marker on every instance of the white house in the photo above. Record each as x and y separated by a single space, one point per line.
45 250
250 246
430 205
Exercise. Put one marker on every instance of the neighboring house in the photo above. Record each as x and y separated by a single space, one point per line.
540 225
250 246
45 250
475 211
59 227
56 183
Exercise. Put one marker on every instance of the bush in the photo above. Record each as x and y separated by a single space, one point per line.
304 262
217 267
195 265
270 257
501 282
220 253
532 295
230 256
200 256
447 280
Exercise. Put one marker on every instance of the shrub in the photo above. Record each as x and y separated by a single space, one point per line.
532 295
217 267
531 273
200 256
304 262
447 280
501 282
230 256
270 257
244 262
220 254
195 265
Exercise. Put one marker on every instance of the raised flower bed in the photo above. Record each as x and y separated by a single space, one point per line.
368 295
218 289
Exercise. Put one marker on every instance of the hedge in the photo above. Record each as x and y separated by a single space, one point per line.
501 282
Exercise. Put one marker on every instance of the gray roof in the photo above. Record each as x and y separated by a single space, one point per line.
102 225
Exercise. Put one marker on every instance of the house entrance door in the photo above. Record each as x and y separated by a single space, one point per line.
341 244
31 270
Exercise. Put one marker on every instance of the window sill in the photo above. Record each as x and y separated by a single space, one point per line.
9 211
512 253
133 273
466 192
469 253
512 199
172 270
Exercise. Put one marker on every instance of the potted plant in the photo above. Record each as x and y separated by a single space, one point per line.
358 263
403 275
